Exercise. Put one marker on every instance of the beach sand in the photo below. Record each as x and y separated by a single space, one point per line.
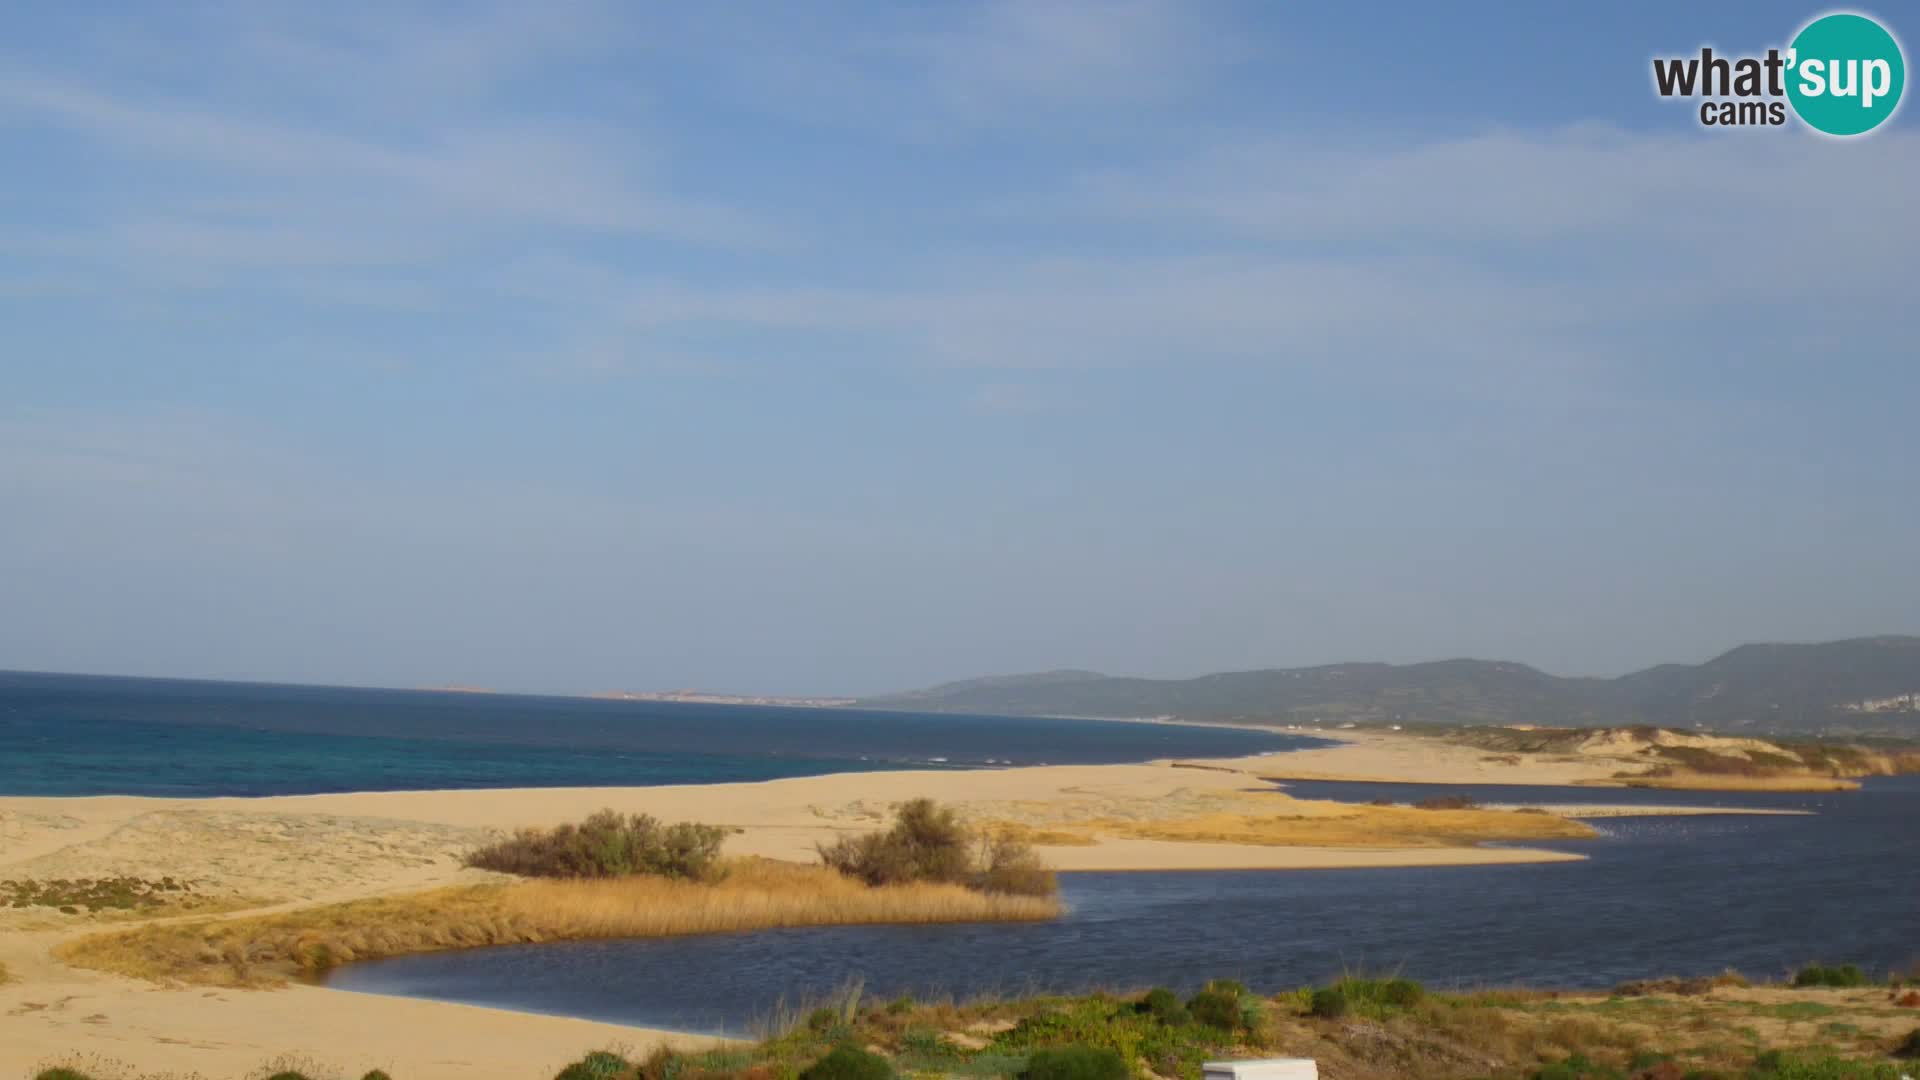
280 853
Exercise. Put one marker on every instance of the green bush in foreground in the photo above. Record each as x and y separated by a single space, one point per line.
1845 975
1075 1063
1218 1005
599 1065
1165 1006
1577 1067
1778 1065
848 1062
1373 998
608 845
60 1074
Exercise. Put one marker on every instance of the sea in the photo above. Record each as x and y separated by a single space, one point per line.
1658 895
94 735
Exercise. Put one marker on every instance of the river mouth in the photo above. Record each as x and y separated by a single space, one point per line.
1656 896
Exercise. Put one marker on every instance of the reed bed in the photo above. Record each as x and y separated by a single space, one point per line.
754 895
1691 780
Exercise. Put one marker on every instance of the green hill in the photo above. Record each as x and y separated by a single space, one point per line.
1859 686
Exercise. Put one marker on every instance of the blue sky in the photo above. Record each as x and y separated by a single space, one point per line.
851 347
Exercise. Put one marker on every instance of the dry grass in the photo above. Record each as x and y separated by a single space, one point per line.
4 977
1028 834
755 895
1324 824
1692 780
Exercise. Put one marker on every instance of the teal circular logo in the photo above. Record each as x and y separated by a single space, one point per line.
1845 74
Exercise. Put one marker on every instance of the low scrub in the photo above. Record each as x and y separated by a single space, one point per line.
76 895
1076 1063
1388 1029
848 1062
1372 998
928 843
1226 1005
1841 976
608 845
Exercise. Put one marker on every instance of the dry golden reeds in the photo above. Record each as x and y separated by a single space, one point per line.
755 895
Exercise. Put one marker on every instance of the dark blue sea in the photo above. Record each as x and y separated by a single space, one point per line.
93 735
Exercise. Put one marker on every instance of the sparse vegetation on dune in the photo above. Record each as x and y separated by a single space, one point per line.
74 896
1687 760
754 894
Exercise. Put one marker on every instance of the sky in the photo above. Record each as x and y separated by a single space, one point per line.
846 348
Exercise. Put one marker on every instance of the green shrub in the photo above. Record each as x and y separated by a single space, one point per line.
1076 1063
928 842
61 1073
848 1062
1845 975
376 1074
599 1065
1777 1065
1375 998
1165 1006
1217 1006
288 1074
608 845
1330 1002
1577 1067
901 1005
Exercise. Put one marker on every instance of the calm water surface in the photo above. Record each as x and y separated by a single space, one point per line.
89 735
1660 895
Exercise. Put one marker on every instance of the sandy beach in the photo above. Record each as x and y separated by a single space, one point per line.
246 856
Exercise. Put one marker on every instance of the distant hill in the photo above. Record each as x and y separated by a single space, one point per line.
1859 686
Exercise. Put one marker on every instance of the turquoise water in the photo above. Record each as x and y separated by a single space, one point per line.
93 735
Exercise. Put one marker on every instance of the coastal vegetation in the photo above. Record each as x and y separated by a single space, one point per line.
746 894
77 895
1843 975
928 843
608 845
1358 1028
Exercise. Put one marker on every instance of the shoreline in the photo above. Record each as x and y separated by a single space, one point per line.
266 854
